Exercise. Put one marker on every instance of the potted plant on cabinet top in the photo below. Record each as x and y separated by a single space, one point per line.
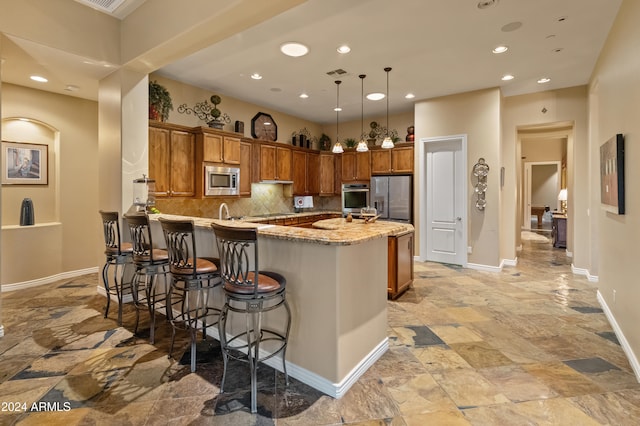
159 102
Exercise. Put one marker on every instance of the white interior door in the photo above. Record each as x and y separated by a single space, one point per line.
444 225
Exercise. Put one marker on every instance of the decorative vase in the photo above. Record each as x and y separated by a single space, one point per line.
215 124
153 113
26 212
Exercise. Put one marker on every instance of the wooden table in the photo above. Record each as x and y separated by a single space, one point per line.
538 211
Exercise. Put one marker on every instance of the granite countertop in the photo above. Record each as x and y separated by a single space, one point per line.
344 233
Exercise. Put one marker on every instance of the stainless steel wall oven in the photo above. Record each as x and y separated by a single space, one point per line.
355 196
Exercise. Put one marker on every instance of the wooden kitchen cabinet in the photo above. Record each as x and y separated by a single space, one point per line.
245 169
306 173
172 160
327 175
390 161
400 269
356 166
217 147
272 163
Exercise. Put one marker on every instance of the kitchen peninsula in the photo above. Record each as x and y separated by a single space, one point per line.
336 287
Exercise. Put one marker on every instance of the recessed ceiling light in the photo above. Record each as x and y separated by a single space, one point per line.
409 96
375 96
39 79
304 95
507 77
337 109
500 49
544 80
344 49
294 49
256 76
71 88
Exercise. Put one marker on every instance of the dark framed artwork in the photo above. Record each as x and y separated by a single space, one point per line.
612 174
24 163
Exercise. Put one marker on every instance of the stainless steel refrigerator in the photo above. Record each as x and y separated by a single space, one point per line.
392 196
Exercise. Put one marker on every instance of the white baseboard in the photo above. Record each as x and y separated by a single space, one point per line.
631 356
1 330
585 272
47 280
335 390
509 262
485 268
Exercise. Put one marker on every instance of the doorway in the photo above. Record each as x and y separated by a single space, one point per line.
443 218
542 185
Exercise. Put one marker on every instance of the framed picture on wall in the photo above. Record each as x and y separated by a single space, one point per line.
612 174
24 163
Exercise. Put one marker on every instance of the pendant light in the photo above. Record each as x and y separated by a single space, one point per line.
337 147
387 142
362 145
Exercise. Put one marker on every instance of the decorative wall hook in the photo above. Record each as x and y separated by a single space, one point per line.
481 170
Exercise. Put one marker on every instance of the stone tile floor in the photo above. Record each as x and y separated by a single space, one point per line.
527 346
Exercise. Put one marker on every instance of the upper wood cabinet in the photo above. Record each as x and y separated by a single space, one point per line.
389 161
245 168
171 160
328 176
306 173
271 162
217 147
356 166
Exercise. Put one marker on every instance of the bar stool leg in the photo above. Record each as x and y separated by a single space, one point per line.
105 280
222 327
284 351
254 327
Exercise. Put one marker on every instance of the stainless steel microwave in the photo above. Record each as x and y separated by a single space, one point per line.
221 180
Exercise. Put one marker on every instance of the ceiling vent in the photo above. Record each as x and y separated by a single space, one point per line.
337 73
107 6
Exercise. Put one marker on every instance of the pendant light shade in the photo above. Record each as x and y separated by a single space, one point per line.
387 142
362 145
337 147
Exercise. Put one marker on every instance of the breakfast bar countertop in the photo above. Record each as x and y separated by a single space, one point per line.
328 231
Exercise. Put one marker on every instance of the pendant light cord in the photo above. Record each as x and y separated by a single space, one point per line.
337 110
362 76
387 71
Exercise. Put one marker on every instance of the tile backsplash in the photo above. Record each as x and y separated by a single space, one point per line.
265 198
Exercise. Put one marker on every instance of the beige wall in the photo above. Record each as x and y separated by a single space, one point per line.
615 101
71 199
476 114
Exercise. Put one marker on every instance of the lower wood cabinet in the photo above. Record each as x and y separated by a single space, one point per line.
400 258
559 231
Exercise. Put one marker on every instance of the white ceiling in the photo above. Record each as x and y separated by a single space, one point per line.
435 47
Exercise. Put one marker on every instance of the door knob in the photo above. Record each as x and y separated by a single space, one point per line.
458 218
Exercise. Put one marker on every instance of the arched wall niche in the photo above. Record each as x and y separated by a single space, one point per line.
45 197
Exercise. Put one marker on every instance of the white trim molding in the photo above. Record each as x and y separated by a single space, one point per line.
631 356
47 280
585 272
485 268
335 390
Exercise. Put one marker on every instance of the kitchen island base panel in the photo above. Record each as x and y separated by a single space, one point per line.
338 298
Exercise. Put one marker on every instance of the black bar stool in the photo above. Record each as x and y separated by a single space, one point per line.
192 279
149 262
251 292
118 255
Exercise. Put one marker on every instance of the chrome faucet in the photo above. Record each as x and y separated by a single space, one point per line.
226 208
